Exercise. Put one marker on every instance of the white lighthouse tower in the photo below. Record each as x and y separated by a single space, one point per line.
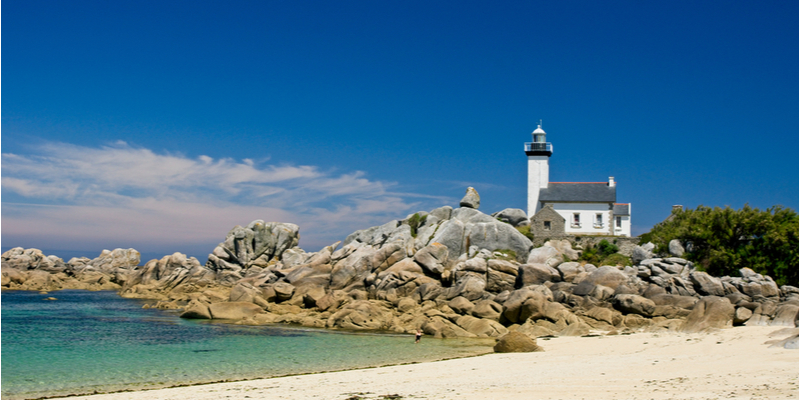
538 152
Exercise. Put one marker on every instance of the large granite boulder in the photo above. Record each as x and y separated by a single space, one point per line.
634 304
513 216
711 312
433 258
546 255
676 248
471 200
641 253
516 342
537 274
706 284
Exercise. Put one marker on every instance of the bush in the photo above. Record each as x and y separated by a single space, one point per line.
415 221
599 253
723 240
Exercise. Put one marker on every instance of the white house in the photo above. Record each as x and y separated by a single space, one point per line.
587 208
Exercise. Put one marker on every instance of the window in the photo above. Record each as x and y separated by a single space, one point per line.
619 222
598 220
576 220
547 225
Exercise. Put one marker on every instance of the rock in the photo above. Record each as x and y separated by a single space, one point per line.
496 235
440 327
602 314
536 274
256 244
406 304
634 304
196 310
523 304
785 315
569 270
641 253
234 310
741 315
711 312
487 309
516 342
497 281
283 291
461 305
685 302
706 284
675 248
607 276
433 258
329 301
564 247
471 199
471 286
362 314
545 255
442 213
481 327
513 216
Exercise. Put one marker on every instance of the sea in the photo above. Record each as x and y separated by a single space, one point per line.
97 342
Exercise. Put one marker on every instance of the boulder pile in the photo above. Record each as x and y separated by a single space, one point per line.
450 272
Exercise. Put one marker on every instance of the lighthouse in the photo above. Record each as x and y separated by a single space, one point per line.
538 152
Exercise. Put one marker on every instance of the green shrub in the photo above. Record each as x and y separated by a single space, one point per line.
724 240
598 254
415 221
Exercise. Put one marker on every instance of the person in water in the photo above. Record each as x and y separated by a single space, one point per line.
418 336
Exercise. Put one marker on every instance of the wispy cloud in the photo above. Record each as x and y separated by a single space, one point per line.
130 196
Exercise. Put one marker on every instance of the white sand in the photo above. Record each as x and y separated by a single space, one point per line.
729 364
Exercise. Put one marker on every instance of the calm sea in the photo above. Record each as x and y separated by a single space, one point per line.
97 341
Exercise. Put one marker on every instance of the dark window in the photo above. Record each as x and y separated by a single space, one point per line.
547 225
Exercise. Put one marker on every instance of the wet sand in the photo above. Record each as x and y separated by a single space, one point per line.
728 364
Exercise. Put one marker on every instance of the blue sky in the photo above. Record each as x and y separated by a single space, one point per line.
161 125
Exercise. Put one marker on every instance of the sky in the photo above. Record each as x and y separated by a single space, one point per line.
160 126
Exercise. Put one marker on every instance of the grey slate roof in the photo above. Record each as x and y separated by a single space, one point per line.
622 209
578 192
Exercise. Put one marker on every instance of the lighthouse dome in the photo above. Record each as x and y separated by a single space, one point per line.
539 130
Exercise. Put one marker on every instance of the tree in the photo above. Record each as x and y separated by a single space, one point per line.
723 240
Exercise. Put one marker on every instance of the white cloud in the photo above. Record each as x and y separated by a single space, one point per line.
130 196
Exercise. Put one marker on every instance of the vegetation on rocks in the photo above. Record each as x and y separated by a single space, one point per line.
723 240
604 253
526 230
415 221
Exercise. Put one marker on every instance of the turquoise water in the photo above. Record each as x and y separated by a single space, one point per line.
97 341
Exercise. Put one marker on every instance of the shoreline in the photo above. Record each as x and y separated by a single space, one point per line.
734 363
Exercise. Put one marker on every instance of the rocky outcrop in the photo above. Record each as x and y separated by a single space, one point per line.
450 272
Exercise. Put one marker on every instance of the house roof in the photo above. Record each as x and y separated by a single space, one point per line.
622 209
593 192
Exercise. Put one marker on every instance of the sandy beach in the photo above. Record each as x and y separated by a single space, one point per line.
729 364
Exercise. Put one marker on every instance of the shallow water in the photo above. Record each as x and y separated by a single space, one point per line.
97 341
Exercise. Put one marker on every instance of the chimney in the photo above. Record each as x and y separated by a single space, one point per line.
677 208
611 182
